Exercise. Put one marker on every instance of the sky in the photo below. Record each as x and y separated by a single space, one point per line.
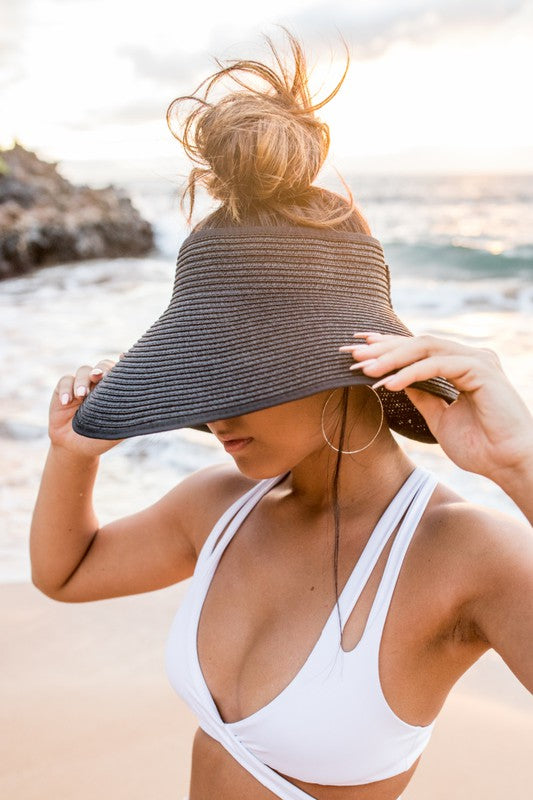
433 85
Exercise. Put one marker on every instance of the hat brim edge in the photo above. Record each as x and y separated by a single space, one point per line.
198 420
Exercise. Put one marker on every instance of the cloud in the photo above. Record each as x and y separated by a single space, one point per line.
11 69
14 21
372 26
175 67
133 113
369 26
162 77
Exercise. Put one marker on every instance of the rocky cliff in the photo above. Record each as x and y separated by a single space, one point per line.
44 219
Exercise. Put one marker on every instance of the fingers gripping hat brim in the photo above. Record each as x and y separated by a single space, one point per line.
255 319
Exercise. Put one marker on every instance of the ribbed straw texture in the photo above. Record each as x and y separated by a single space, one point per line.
256 319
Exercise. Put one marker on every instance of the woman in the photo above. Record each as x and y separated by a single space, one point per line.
316 656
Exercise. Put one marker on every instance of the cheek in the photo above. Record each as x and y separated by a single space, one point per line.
277 450
267 456
288 445
291 430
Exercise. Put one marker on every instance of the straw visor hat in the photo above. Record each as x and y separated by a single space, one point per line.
256 318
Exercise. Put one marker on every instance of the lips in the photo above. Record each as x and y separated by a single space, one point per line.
231 445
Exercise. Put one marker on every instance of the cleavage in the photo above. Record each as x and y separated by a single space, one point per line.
261 610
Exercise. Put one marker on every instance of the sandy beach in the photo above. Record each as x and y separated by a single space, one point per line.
87 711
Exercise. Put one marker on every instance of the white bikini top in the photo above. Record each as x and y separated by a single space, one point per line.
332 724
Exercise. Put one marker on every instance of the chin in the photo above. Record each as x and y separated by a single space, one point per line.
258 472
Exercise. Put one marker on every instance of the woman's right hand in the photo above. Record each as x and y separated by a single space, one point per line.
68 395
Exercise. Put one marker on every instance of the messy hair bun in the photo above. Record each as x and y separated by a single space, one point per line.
260 150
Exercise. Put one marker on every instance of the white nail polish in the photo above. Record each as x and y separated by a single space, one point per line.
363 364
384 381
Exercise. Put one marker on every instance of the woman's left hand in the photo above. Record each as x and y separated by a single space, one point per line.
488 429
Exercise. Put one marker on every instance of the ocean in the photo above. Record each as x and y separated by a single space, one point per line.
460 253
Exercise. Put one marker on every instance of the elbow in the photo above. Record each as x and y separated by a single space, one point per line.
51 591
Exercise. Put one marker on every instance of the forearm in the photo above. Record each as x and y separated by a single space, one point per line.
64 522
518 484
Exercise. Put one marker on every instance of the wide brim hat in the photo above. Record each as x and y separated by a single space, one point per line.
256 318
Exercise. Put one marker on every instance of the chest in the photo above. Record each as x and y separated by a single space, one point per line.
272 593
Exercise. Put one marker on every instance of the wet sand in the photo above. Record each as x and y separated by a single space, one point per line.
87 711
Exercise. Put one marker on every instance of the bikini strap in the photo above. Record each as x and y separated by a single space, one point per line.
382 600
232 518
378 539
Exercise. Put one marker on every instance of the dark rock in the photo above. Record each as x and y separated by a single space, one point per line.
45 219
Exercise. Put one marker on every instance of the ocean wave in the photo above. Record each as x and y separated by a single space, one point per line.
437 299
438 259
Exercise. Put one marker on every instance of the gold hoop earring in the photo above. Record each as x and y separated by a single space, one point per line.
360 448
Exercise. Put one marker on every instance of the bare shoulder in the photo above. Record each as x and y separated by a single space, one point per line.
487 559
475 552
471 531
205 494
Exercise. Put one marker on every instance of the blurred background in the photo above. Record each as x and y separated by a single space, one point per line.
432 130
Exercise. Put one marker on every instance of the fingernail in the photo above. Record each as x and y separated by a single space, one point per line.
346 348
81 391
65 399
390 380
363 363
97 372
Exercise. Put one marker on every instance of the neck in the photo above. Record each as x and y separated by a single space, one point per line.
363 477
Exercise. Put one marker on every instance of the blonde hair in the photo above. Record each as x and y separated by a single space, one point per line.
259 151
